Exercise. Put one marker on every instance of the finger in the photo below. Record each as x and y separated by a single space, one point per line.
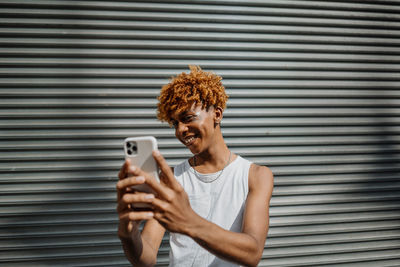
122 206
163 179
120 193
160 190
128 169
123 171
129 200
122 175
143 177
168 176
130 181
159 205
136 215
125 185
137 198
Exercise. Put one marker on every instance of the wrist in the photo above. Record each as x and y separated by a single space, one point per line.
194 227
126 234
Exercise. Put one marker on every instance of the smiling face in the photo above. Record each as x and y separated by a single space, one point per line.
196 127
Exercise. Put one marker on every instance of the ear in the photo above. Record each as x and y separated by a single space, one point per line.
218 115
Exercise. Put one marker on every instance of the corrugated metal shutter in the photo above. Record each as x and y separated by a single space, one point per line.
314 95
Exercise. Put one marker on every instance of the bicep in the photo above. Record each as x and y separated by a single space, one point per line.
256 215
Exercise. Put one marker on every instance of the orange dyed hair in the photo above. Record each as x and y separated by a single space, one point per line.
184 90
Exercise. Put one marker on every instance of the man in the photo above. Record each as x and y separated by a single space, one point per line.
215 205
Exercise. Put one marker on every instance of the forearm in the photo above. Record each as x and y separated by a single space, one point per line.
138 251
241 248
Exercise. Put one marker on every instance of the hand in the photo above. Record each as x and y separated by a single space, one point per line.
129 219
171 206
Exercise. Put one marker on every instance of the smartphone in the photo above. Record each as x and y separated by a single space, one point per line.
139 151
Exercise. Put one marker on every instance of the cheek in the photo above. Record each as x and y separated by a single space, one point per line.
207 127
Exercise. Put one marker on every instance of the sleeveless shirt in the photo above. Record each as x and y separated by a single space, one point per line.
219 199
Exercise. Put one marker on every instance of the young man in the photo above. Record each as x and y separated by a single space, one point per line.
215 205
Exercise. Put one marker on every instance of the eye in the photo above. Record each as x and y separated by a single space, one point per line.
189 118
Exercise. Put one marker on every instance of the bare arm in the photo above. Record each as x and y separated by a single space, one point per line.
246 247
173 211
140 247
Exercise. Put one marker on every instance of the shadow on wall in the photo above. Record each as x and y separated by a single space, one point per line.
380 192
59 208
383 184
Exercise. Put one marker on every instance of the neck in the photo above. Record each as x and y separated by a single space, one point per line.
214 158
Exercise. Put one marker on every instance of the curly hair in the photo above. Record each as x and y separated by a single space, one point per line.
184 90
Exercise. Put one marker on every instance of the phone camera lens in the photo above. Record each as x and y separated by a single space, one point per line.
131 148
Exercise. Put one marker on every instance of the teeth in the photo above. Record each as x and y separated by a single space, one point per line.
188 140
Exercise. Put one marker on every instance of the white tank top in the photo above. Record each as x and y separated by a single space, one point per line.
219 199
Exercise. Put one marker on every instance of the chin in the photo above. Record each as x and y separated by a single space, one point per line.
194 150
194 147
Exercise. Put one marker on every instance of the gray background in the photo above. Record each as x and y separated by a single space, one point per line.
313 91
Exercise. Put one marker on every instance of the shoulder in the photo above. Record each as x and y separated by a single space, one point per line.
257 171
260 178
180 168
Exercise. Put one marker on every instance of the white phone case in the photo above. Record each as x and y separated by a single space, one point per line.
139 151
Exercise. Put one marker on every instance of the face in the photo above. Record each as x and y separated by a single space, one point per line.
195 127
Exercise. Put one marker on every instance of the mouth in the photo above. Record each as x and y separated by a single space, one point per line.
187 141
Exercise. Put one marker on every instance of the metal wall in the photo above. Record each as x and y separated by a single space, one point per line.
313 91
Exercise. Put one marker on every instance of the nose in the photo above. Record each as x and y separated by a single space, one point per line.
180 128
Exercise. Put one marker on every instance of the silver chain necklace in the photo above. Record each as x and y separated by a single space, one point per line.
220 172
